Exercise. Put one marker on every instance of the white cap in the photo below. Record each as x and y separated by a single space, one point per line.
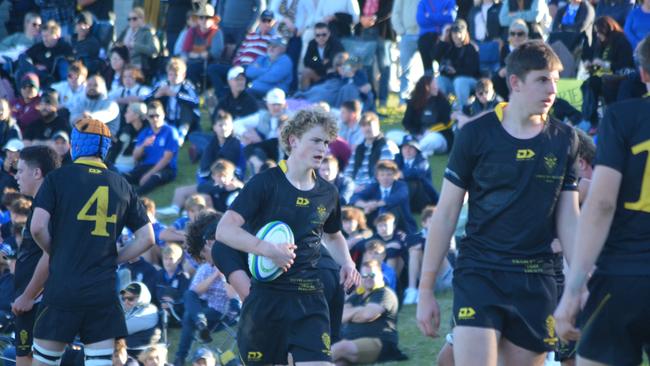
276 96
234 72
14 145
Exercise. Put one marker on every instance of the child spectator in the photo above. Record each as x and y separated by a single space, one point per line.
224 186
171 280
140 314
349 128
138 270
329 170
154 355
387 194
393 240
376 250
194 204
415 243
153 254
355 229
417 174
74 86
485 100
223 145
7 257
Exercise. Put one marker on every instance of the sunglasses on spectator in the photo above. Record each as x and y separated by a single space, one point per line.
322 35
267 20
153 116
128 298
517 34
368 275
37 25
132 19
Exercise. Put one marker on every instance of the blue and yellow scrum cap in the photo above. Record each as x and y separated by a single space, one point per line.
90 138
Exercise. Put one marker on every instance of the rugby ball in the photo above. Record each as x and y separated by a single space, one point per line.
262 268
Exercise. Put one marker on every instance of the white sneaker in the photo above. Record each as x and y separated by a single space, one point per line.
168 211
410 296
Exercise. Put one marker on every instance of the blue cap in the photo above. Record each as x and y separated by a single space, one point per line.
410 140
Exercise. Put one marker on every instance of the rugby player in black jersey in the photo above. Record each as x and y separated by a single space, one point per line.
79 212
519 167
34 164
614 234
290 313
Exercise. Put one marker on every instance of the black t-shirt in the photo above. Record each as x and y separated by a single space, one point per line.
41 130
29 253
269 196
89 206
244 105
218 194
42 55
624 145
86 49
514 186
384 327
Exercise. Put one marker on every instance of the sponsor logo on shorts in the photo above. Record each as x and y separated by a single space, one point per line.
302 202
466 313
551 339
254 356
327 342
525 154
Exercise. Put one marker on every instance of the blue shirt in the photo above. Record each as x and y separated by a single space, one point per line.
166 140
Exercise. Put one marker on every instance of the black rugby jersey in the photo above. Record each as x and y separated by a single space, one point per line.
269 196
624 145
89 206
514 186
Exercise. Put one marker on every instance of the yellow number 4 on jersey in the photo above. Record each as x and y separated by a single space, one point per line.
100 217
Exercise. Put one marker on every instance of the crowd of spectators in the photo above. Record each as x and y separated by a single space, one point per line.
247 66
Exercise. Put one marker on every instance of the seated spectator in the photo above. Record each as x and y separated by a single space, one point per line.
74 87
202 43
180 100
138 270
386 194
140 314
374 249
459 63
20 41
190 22
193 205
140 39
154 355
339 15
417 174
319 56
171 280
156 151
131 89
8 127
207 303
394 241
272 70
369 332
484 29
135 117
534 13
608 61
61 144
349 128
7 262
85 46
121 356
577 16
223 186
236 99
24 108
428 117
204 357
96 104
637 24
154 254
415 244
256 42
118 60
485 100
11 151
48 56
432 17
266 151
263 125
329 170
52 120
375 147
222 145
355 229
517 34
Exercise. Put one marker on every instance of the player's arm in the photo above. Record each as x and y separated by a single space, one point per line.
441 228
338 247
230 232
593 225
25 302
566 220
144 239
40 229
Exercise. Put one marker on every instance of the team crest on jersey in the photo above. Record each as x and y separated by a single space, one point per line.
550 162
551 339
322 212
